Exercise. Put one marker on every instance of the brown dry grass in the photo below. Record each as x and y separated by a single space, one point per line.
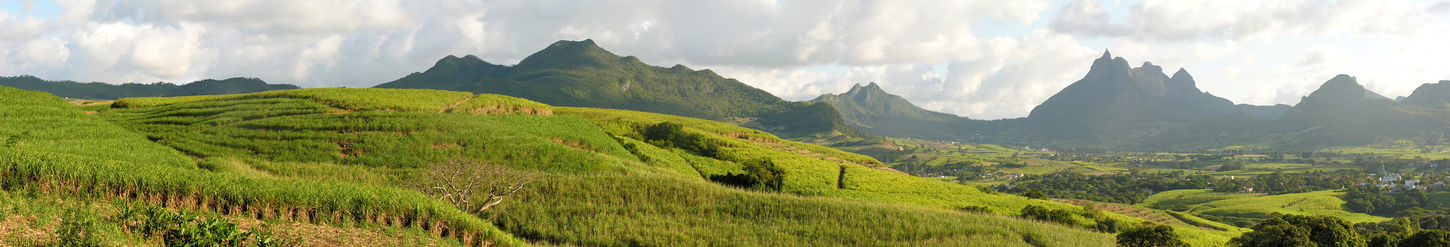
23 227
324 235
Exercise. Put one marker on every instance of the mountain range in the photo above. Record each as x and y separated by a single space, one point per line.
104 91
1120 107
580 73
1113 106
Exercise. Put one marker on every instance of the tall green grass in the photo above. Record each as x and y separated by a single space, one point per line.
290 131
31 120
62 150
660 210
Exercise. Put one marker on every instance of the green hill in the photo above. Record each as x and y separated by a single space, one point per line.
103 91
346 159
580 73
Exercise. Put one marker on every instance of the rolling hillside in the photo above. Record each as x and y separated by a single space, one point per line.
580 73
345 157
62 166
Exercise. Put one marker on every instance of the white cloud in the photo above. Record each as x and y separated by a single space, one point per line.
927 51
1322 55
1008 78
1441 7
1087 17
1243 19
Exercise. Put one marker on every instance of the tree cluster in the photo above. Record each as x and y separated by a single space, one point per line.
1372 200
759 174
1150 235
1127 188
674 135
1283 183
1301 230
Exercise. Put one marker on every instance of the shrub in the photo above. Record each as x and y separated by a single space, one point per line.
1150 234
976 209
1035 194
759 174
1104 223
183 229
1428 238
1044 214
673 134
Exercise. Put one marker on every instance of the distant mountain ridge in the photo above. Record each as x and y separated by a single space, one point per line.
1121 107
580 73
103 91
1431 95
875 111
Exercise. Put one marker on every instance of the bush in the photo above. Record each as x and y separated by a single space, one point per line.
182 229
1104 223
759 174
1428 238
976 209
1301 230
1050 215
1150 234
673 134
1035 194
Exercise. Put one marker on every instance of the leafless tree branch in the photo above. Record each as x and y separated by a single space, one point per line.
458 181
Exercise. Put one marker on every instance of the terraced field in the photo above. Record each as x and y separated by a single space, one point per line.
349 158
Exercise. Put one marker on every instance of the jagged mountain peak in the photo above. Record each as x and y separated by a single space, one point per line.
868 88
1108 62
1182 81
1182 74
1114 98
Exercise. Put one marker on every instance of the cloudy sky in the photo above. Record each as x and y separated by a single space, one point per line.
984 59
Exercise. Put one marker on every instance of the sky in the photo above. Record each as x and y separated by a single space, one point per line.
987 59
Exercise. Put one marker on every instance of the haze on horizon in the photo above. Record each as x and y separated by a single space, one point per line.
980 59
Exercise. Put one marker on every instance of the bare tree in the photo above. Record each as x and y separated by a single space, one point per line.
458 181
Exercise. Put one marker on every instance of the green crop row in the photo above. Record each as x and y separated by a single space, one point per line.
54 148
